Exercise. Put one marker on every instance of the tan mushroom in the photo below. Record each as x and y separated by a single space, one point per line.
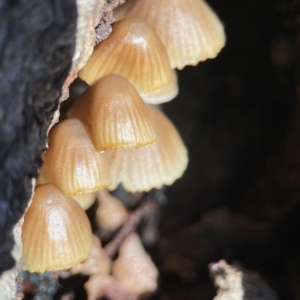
117 115
56 233
72 162
189 29
153 166
134 51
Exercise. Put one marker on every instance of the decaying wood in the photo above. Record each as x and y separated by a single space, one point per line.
235 283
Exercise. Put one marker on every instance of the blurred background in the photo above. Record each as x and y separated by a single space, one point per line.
239 116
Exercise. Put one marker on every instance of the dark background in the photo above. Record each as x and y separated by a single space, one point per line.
239 116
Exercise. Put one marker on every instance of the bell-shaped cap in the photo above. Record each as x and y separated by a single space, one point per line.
134 51
134 268
117 115
56 233
189 29
72 163
153 166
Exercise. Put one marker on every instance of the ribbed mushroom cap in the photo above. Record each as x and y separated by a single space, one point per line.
72 163
134 268
111 213
134 51
150 167
116 113
166 94
56 233
189 29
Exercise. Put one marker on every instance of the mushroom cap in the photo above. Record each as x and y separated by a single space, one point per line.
116 113
134 268
153 166
56 233
166 94
189 29
134 51
111 213
72 163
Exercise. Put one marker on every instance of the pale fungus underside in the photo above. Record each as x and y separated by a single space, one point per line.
112 137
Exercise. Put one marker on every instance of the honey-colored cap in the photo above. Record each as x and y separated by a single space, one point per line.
56 233
117 115
189 29
72 163
134 51
153 166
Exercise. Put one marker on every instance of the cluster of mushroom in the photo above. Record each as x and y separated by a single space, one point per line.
112 134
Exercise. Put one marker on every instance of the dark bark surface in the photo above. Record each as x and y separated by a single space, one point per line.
37 41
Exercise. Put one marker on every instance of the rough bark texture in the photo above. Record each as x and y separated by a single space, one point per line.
235 283
37 42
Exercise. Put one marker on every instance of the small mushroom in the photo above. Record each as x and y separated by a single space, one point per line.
134 51
153 166
111 213
189 29
72 163
117 115
134 268
56 233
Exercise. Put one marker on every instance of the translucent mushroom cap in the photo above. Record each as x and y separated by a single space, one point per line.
134 51
153 166
117 115
56 233
189 29
72 163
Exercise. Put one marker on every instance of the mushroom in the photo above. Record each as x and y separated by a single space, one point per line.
153 166
134 51
134 268
111 213
56 233
189 29
117 115
72 163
